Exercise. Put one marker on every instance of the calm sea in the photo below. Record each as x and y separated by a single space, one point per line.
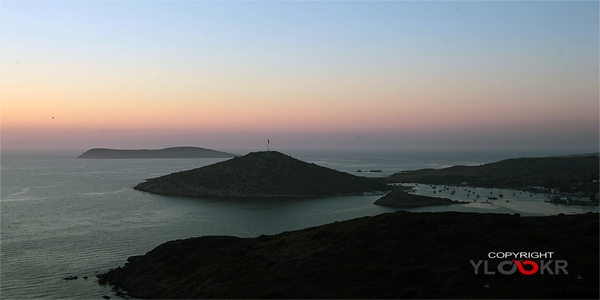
62 216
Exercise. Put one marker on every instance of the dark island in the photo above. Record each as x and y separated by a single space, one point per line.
402 199
394 255
174 152
262 174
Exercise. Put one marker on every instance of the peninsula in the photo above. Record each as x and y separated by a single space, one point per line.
402 199
262 174
174 152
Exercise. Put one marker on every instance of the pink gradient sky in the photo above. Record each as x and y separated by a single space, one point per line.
228 75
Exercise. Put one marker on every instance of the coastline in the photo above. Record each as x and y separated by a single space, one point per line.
98 195
393 255
137 279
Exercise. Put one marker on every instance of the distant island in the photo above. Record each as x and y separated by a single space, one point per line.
262 174
174 152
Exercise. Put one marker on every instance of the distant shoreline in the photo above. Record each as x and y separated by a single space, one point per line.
576 173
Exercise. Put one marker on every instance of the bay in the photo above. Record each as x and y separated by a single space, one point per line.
62 216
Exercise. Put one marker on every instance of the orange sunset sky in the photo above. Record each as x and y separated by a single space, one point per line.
226 75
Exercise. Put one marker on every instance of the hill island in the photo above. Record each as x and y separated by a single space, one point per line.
262 174
174 152
393 255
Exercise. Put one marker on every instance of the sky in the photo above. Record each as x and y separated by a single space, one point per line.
301 74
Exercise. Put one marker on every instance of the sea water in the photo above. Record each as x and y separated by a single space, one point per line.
62 216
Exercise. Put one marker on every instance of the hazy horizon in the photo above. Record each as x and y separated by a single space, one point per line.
305 75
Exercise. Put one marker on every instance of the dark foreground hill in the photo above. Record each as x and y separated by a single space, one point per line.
174 152
550 172
395 255
261 174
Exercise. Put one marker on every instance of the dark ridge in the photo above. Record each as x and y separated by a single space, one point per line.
261 174
174 152
395 255
518 173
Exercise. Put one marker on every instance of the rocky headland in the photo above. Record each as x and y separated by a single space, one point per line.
402 199
262 174
174 152
394 255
